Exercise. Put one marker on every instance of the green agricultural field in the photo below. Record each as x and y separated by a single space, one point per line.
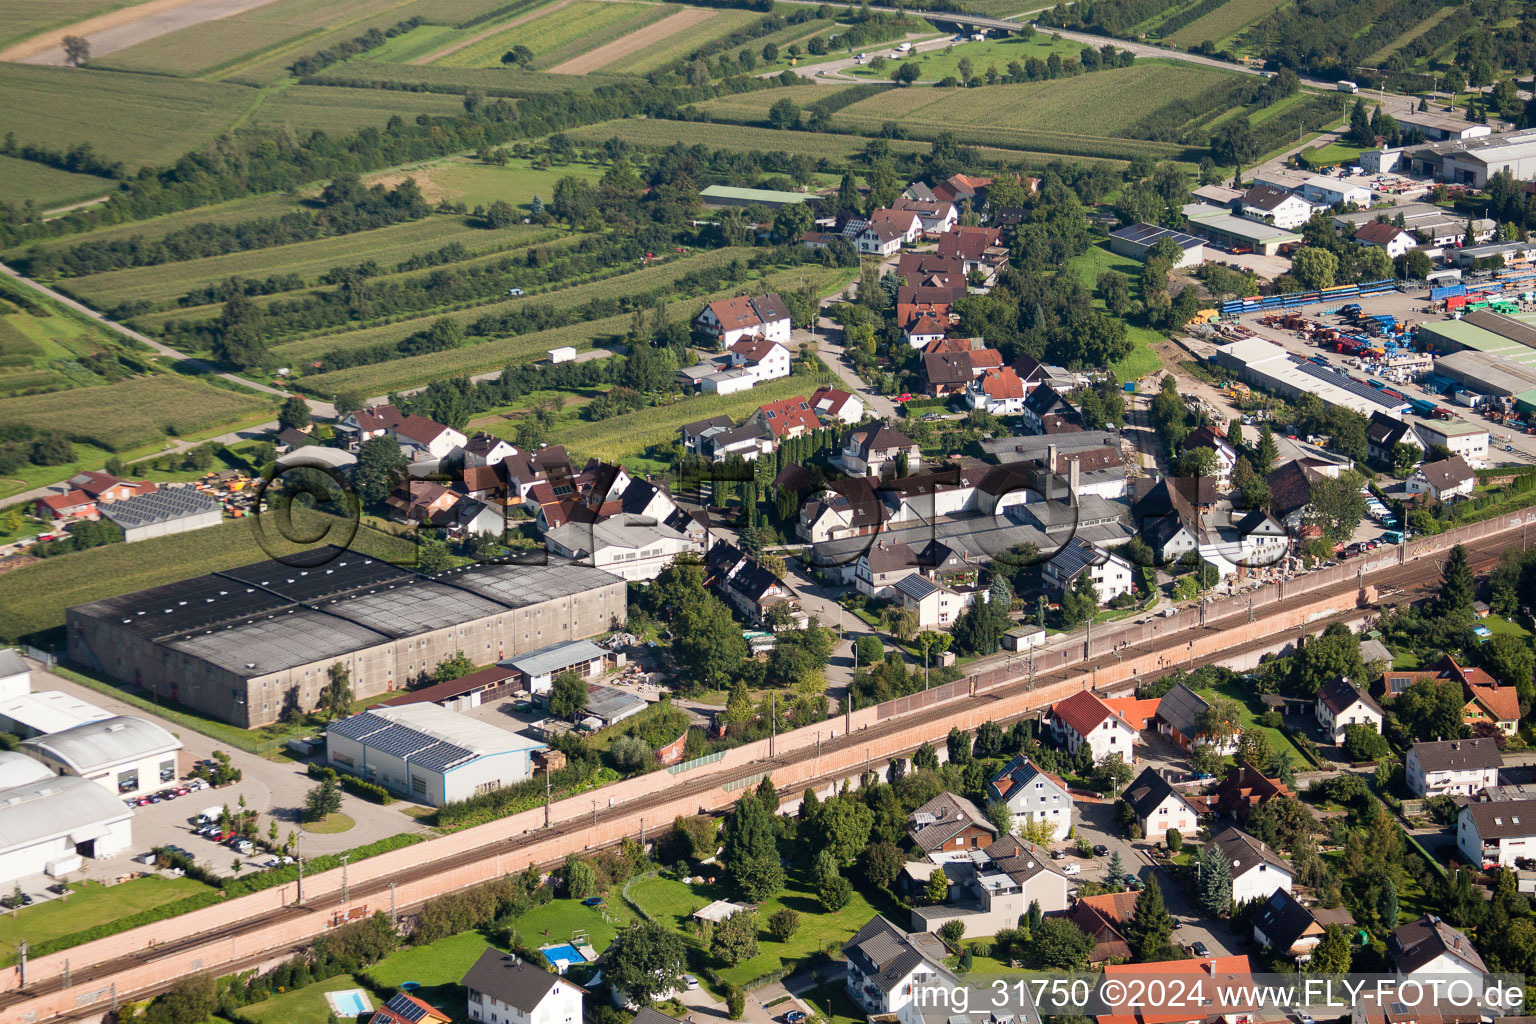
418 42
304 108
158 227
336 21
91 904
753 107
632 283
42 353
1099 107
631 434
1223 23
664 52
495 81
468 181
497 353
551 35
33 598
937 64
27 18
1413 33
388 246
656 134
134 412
48 187
136 119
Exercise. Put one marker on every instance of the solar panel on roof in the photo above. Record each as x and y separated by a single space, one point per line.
442 756
403 1006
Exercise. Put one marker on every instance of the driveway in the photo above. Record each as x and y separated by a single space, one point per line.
828 339
1096 824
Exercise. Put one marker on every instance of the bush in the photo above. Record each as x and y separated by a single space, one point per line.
782 924
735 1002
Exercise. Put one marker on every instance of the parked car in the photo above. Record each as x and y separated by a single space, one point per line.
1058 855
244 847
794 1017
514 292
1100 850
1072 869
1200 949
690 982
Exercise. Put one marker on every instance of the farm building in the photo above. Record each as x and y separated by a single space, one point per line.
1135 240
242 643
727 195
125 755
1221 228
38 714
47 825
1264 364
164 512
429 754
536 670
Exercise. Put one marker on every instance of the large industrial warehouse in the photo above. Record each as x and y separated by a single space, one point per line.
1264 364
1487 352
240 644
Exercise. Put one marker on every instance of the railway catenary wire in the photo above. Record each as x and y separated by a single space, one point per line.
1409 582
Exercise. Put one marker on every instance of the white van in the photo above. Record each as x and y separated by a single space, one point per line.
904 48
209 815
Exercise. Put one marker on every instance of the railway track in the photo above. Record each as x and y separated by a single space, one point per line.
1405 583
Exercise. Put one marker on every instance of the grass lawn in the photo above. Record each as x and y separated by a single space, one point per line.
436 967
1279 742
467 180
1334 153
305 1005
557 920
671 902
330 825
832 1002
1143 359
89 905
1499 624
1407 660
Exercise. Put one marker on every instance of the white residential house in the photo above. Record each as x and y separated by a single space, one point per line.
1111 574
761 357
634 547
1395 240
1264 540
486 450
882 239
1459 437
503 989
1453 767
1257 870
874 450
1497 832
887 966
1430 948
1159 807
730 320
936 215
937 606
421 439
831 405
1341 704
1033 795
1226 456
1277 206
1085 719
1443 480
998 390
989 888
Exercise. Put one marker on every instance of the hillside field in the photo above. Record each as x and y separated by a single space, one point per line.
48 187
1222 24
137 119
134 412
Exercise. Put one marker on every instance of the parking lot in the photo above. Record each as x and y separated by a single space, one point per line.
275 788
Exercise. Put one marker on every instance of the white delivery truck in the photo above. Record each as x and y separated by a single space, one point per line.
209 815
1348 87
904 48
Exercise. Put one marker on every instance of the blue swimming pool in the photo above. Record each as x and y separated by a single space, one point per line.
564 951
349 1002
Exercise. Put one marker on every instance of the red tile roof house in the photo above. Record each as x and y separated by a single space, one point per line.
1085 719
998 391
790 417
421 439
872 449
976 249
730 320
937 215
1390 237
832 405
365 424
82 493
